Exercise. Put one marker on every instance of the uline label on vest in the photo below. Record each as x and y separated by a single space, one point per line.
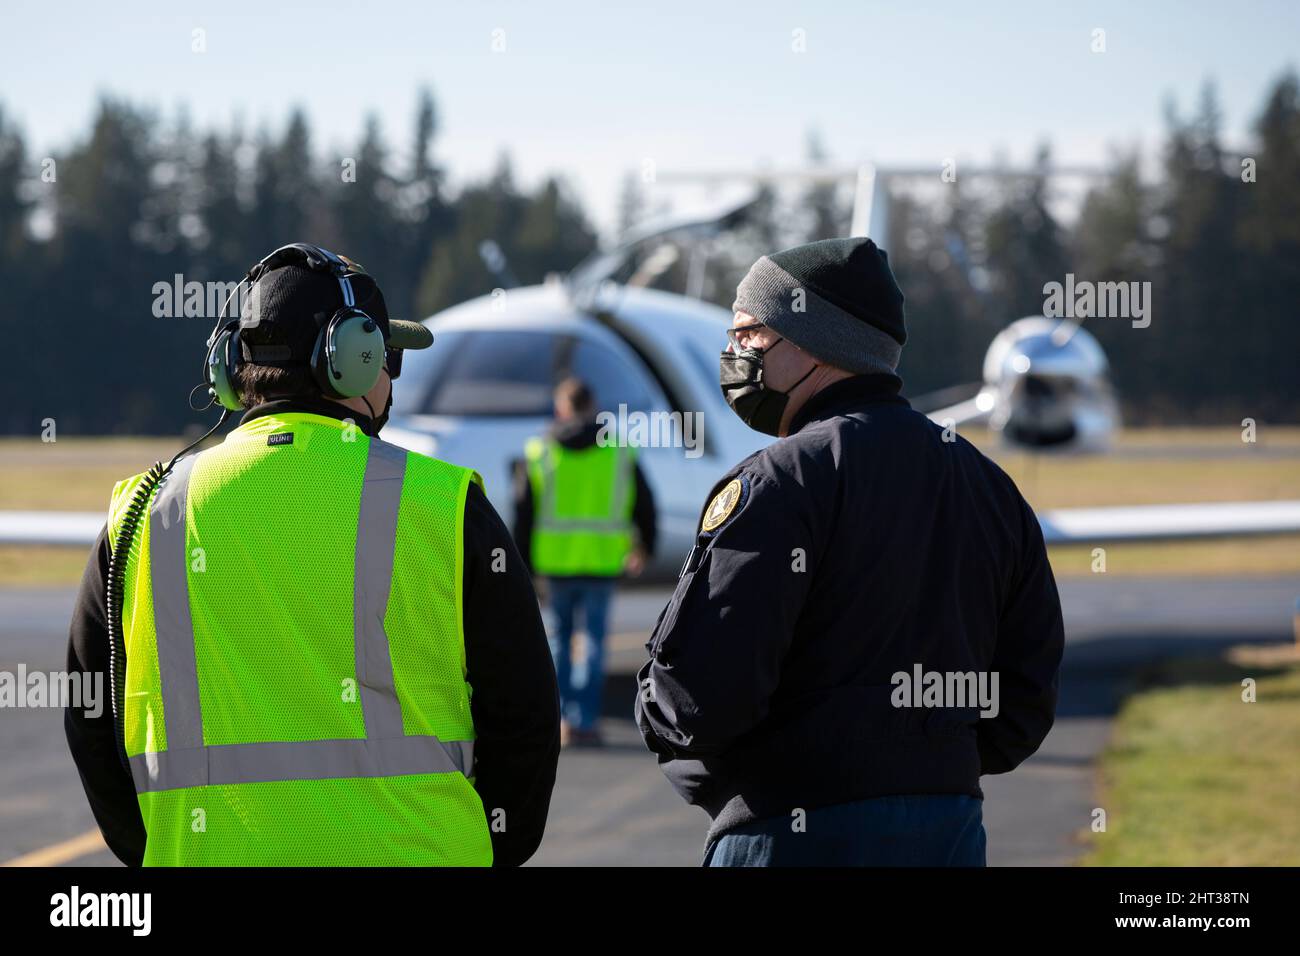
280 438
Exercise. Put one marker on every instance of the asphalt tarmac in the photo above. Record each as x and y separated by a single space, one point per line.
613 807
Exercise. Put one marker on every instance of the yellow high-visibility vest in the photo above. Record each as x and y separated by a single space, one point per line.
296 683
582 507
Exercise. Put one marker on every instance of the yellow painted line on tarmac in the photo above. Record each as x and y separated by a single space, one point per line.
93 842
89 842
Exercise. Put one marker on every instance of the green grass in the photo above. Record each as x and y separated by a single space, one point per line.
1279 554
1195 776
1099 480
1180 465
41 566
73 474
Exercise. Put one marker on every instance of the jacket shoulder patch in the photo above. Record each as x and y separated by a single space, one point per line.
722 505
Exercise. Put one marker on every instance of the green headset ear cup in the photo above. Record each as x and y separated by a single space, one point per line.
348 356
221 368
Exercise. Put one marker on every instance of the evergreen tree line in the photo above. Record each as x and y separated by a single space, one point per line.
1217 235
88 233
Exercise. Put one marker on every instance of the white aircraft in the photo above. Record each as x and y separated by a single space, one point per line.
485 388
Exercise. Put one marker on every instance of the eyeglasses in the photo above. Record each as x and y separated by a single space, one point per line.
393 362
745 330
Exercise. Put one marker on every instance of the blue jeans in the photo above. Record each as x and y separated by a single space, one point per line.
913 830
581 687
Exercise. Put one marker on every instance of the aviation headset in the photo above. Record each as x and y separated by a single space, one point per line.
343 357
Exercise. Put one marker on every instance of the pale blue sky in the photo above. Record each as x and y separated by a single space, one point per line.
590 89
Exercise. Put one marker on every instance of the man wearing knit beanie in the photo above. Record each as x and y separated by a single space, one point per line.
836 301
867 623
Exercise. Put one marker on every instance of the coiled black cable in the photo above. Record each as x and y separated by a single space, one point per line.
119 553
116 584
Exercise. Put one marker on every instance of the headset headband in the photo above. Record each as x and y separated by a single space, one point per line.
341 359
303 253
316 259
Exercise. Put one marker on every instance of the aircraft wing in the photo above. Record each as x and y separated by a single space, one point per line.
1169 522
71 528
1061 526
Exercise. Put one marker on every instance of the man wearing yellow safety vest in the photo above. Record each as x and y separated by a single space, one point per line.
584 514
323 649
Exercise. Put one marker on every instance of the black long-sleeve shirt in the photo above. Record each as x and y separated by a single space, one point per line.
576 435
515 704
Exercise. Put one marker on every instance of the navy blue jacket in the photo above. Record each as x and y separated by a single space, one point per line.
862 545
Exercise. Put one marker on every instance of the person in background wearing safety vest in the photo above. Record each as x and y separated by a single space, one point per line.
580 507
333 652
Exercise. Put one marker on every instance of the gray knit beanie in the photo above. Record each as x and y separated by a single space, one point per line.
836 299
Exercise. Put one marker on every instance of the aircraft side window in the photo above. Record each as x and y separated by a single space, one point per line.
498 372
422 370
614 379
705 362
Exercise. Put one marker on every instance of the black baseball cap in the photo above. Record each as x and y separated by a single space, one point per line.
286 308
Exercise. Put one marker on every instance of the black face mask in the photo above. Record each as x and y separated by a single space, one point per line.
759 407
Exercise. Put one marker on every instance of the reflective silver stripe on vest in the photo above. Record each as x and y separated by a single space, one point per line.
168 563
299 760
549 520
595 525
381 493
384 752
